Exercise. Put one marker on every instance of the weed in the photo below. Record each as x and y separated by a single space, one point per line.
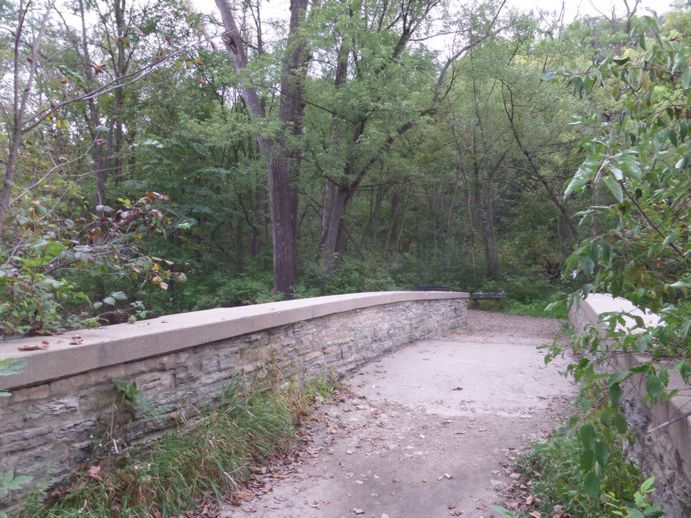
214 454
535 308
558 479
538 308
136 400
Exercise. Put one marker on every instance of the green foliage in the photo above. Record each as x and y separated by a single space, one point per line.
10 482
642 506
8 367
45 278
637 166
539 308
359 274
563 471
138 401
225 290
212 455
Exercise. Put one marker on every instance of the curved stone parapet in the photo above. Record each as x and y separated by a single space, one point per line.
121 343
663 431
64 401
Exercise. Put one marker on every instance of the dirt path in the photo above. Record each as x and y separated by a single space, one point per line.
427 431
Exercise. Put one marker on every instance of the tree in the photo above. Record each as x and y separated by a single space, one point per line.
281 151
639 157
27 38
374 43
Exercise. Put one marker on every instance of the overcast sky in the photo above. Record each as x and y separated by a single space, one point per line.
279 8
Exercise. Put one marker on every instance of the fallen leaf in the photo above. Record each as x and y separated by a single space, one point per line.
457 388
245 494
40 347
358 511
76 340
93 472
535 514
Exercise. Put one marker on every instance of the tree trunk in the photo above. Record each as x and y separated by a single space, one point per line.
489 235
119 102
395 209
20 99
98 150
284 169
335 202
283 153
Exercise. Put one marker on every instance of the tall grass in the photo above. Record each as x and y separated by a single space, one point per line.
212 455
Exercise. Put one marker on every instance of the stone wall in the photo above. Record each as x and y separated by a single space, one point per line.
51 425
662 446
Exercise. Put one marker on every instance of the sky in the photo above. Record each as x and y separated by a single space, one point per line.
574 8
279 10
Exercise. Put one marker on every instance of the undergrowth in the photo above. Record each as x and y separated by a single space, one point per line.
556 471
212 455
537 308
543 307
558 488
582 470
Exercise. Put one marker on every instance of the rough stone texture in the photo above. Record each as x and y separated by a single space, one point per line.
74 353
666 452
49 429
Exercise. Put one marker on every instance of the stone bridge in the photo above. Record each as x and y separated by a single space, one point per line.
429 432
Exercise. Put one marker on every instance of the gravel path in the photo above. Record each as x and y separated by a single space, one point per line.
430 430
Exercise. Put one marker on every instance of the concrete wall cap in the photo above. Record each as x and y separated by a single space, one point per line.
599 303
84 350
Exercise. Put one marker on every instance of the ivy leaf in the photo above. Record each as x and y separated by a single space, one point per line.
602 453
686 78
119 295
586 434
684 369
10 366
653 386
615 188
586 264
586 459
619 422
591 484
8 482
615 393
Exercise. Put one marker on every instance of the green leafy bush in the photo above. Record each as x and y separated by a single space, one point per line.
353 274
559 469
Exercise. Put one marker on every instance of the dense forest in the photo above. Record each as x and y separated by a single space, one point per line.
155 160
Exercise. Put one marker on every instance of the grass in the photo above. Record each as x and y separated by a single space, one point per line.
558 480
212 456
537 308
